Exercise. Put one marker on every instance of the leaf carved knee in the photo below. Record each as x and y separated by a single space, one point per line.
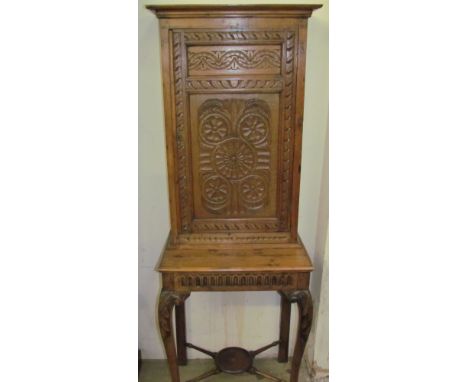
167 300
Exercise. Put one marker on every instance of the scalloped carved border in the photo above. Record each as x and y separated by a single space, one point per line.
234 84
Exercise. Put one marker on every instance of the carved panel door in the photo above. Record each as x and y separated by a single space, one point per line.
235 126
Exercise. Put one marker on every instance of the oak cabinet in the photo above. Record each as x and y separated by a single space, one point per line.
233 85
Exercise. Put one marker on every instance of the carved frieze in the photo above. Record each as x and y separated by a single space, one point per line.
230 280
234 59
248 59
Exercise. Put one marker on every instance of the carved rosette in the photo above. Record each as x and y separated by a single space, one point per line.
234 158
253 189
235 154
216 191
167 300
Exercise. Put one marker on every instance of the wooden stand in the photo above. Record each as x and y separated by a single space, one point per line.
233 82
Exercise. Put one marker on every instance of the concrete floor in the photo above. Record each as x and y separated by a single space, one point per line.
157 371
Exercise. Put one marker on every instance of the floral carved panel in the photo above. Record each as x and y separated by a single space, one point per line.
234 157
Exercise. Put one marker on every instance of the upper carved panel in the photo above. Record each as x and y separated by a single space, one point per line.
258 59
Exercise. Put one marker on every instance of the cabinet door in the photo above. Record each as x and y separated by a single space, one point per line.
234 112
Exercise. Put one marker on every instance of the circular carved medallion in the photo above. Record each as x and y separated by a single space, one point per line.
216 190
254 128
253 189
214 128
234 158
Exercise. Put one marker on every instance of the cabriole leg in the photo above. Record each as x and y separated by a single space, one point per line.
167 300
305 306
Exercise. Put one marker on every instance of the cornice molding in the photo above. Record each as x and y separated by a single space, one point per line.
223 11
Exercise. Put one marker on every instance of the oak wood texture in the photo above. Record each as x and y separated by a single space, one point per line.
233 86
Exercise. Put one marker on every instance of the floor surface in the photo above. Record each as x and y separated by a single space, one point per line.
157 371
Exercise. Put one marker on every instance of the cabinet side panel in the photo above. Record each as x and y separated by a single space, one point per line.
166 67
298 124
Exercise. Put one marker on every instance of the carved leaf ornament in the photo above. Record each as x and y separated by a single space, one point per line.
234 59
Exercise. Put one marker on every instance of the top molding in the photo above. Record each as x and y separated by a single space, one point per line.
223 11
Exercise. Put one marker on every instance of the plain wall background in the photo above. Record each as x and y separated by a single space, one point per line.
216 320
